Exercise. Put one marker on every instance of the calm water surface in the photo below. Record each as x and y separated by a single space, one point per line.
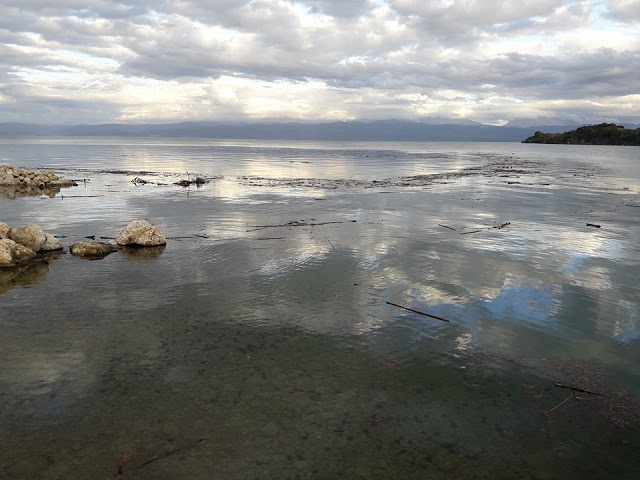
249 348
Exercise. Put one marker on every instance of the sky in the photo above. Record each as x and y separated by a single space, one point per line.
528 62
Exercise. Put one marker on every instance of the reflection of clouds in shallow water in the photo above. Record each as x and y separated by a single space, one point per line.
285 266
50 381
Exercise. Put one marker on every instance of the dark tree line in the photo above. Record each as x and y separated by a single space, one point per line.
603 134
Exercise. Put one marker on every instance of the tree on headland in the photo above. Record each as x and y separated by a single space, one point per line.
603 134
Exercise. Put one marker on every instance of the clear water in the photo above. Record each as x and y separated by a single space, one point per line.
245 351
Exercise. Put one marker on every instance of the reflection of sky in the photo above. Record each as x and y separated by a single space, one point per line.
545 272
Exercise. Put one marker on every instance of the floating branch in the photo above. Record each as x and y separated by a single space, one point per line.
502 225
562 402
447 226
593 225
419 312
122 469
294 223
576 389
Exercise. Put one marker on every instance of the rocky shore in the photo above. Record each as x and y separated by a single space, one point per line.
18 182
25 178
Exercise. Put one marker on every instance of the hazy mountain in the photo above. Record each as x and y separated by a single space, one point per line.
387 130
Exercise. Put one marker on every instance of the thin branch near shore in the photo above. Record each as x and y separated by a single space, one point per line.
122 469
419 312
576 389
562 402
294 223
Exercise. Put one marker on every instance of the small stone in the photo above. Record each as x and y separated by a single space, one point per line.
5 230
141 233
51 244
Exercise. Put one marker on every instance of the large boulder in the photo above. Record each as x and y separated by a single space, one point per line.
5 230
141 233
32 236
91 249
12 253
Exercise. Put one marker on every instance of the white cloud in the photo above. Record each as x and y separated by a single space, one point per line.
99 61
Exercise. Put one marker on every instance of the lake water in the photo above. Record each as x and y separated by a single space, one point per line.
259 343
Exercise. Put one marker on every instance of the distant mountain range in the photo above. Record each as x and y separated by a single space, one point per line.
387 130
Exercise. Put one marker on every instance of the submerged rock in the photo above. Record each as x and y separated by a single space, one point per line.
5 230
12 253
141 233
32 236
91 249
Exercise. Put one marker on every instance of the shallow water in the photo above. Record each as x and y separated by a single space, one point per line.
259 343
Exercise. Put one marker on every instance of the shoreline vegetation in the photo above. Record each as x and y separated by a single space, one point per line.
602 134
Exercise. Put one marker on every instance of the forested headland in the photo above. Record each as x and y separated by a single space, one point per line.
602 134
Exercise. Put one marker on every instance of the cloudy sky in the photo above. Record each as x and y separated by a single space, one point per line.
491 61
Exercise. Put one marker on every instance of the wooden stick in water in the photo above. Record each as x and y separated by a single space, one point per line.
419 312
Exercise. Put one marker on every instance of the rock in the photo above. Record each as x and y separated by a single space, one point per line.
51 244
5 230
91 249
141 233
12 253
30 236
8 179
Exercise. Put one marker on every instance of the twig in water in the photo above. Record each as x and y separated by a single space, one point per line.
331 244
293 223
562 402
576 389
419 312
593 225
447 226
472 231
160 456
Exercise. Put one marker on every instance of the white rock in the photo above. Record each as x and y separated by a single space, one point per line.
12 253
142 233
30 236
51 244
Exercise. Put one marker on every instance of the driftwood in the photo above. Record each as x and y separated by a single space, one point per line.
593 225
293 223
122 469
419 312
576 389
